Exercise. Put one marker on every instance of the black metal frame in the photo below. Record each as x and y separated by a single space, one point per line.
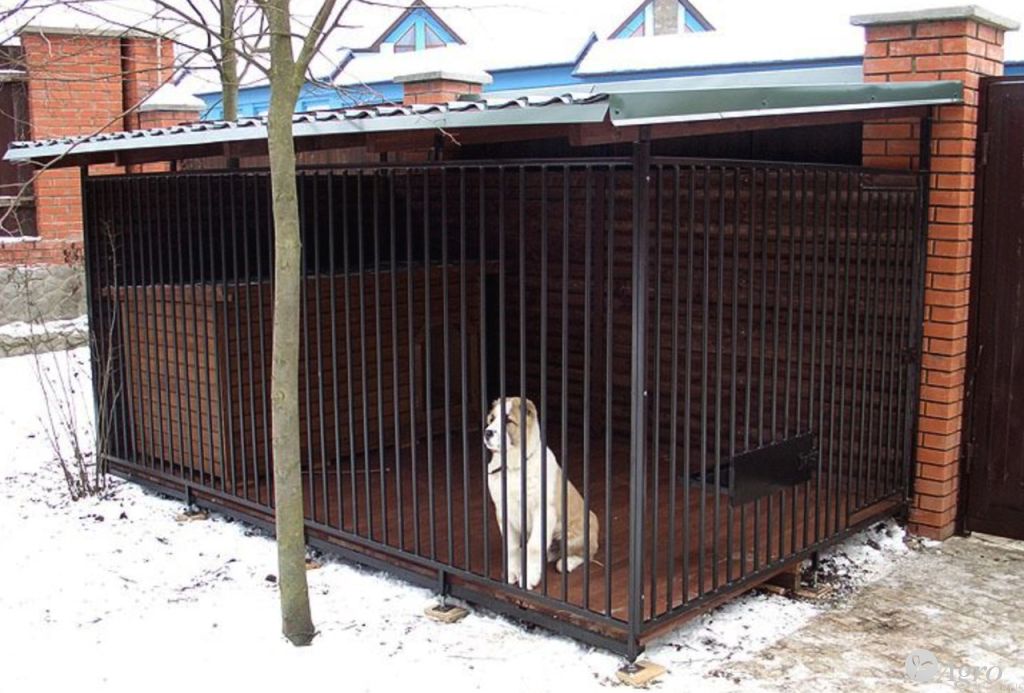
749 282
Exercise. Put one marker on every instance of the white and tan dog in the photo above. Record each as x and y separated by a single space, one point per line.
539 549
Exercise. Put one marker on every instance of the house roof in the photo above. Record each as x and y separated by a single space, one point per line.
618 109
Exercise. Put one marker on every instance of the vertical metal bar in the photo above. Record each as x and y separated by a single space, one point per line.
502 384
702 532
332 279
170 288
792 427
608 390
346 262
233 180
719 357
317 233
691 235
864 212
763 419
800 331
262 269
463 368
776 313
543 413
143 204
446 354
428 363
364 384
655 430
377 348
410 281
674 394
482 252
564 420
521 244
396 394
748 395
826 232
734 297
224 379
250 351
305 377
843 489
588 261
638 379
919 252
132 333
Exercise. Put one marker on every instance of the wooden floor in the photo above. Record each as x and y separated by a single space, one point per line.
695 542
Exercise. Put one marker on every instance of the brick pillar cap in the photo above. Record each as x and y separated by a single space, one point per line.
939 14
435 75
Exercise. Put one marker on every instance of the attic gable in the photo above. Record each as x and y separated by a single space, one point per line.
662 17
417 28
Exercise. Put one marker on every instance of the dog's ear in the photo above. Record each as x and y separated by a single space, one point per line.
495 404
531 410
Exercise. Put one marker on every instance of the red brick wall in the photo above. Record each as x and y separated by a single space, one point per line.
77 85
964 50
436 91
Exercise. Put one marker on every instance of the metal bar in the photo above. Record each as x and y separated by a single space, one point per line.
305 376
674 393
655 417
379 375
463 368
428 364
734 341
588 261
346 262
521 244
317 283
482 252
564 421
410 281
237 329
543 412
250 350
719 357
608 391
691 235
704 347
502 384
333 280
446 354
638 379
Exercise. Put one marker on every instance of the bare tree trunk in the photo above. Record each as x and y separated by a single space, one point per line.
297 623
228 60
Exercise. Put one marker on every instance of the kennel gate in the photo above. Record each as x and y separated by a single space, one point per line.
723 353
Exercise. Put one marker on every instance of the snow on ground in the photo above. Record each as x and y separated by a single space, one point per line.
114 593
31 329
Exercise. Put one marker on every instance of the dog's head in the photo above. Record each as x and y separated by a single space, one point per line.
510 418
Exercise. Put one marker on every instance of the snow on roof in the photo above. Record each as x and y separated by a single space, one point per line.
90 17
172 97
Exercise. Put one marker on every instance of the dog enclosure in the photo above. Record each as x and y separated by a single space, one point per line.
722 353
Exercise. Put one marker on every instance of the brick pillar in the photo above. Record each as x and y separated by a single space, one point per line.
440 86
963 44
79 84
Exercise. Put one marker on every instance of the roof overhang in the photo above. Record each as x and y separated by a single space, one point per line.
619 111
652 108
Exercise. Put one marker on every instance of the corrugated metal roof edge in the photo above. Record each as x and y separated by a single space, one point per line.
622 109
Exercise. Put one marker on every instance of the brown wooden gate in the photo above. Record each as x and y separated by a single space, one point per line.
995 443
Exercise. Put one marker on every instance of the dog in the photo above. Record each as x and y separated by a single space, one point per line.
540 550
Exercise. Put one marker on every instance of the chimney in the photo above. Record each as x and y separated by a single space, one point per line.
440 86
666 17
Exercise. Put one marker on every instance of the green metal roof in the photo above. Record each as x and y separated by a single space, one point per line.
620 109
649 108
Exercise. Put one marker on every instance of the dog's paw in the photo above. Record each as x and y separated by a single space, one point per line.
533 578
571 563
513 577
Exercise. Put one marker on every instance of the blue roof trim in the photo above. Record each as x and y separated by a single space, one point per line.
253 101
1014 69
